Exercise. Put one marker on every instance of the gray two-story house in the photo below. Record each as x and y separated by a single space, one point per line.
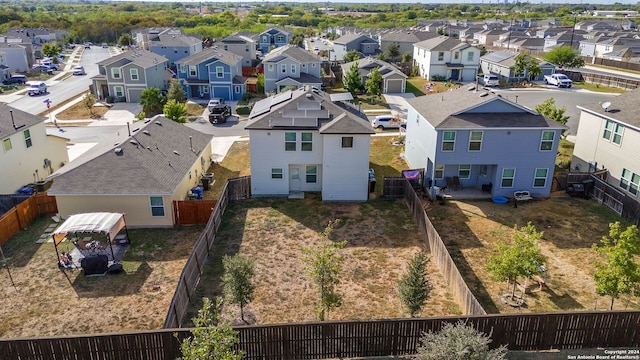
168 42
363 44
273 38
212 73
241 45
485 140
290 67
125 76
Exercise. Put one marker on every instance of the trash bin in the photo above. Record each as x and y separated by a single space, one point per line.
207 180
197 191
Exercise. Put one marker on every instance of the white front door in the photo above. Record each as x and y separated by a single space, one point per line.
294 179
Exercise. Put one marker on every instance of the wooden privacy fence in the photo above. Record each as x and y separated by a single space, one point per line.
234 189
23 214
400 187
192 212
338 339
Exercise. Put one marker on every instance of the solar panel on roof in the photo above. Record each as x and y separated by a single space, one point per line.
278 99
261 107
341 96
297 122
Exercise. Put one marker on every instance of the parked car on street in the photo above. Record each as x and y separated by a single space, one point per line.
219 114
15 79
559 80
78 70
490 80
36 88
214 102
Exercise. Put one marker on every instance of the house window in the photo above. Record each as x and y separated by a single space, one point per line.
236 89
270 67
283 68
265 39
205 89
219 71
306 141
276 173
226 47
312 174
508 174
293 68
246 48
7 144
157 205
475 141
439 171
313 64
175 50
546 142
464 171
456 55
608 130
630 181
448 140
470 56
115 73
193 70
27 138
119 91
290 141
617 134
183 68
280 38
134 74
441 56
347 141
540 179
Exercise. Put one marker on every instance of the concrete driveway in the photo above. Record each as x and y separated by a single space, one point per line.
119 114
398 104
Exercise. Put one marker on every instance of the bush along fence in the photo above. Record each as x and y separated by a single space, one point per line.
400 187
339 339
234 189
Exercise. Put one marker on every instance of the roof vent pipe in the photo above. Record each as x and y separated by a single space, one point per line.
129 129
191 143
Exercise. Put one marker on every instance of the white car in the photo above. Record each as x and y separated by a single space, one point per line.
214 102
490 80
78 70
384 122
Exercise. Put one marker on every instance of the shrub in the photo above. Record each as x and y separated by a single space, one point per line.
243 110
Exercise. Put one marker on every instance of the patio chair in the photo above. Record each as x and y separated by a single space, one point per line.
456 183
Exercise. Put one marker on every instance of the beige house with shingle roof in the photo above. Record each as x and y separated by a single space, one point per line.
447 58
139 174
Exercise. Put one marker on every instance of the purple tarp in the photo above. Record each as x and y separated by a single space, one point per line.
411 174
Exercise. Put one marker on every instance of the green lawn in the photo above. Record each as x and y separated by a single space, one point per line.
599 88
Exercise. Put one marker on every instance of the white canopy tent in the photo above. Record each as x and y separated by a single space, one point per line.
108 224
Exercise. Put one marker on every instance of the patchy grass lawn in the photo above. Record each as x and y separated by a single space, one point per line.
194 109
471 229
381 237
235 164
78 112
565 153
599 88
49 302
418 86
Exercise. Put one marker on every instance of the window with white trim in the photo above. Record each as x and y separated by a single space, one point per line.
546 141
280 38
630 181
294 68
508 175
7 144
134 74
475 141
441 56
347 141
456 55
312 174
448 140
193 70
183 68
236 89
246 48
439 171
306 141
219 71
157 205
283 68
27 138
470 56
290 141
635 182
270 67
276 173
540 178
464 171
115 73
119 91
617 134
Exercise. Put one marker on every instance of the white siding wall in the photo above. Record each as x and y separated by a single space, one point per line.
420 142
345 170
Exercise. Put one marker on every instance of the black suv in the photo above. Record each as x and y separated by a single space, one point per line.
218 114
15 79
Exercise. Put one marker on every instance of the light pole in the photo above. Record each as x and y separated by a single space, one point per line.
573 30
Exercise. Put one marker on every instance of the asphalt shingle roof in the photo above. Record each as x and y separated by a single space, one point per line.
154 160
440 43
140 57
291 51
623 108
210 54
22 120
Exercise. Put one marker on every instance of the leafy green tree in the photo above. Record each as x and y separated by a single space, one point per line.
88 101
323 265
620 272
175 111
238 281
152 101
548 109
521 65
521 258
176 92
392 51
534 68
297 40
352 81
458 341
351 55
414 285
51 50
260 84
564 56
406 57
212 338
125 40
373 82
